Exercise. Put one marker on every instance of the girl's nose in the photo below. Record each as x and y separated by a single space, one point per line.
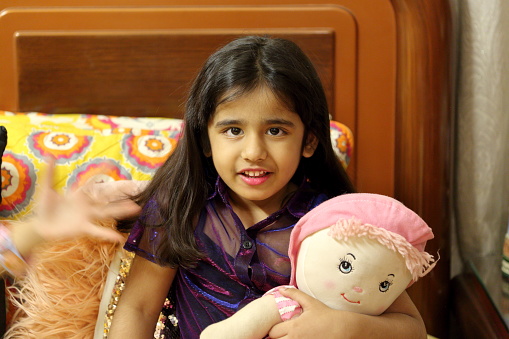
254 149
357 289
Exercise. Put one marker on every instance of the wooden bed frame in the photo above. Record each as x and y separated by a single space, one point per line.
386 65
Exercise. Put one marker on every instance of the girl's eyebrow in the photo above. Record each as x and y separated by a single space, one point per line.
280 122
353 256
229 122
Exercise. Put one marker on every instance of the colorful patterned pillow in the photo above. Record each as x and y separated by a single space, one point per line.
342 142
85 147
89 147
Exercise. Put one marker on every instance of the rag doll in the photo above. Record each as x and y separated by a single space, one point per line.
356 252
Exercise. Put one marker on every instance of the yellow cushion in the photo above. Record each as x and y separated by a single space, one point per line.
84 147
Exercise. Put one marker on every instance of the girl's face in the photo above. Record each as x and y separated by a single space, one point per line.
256 146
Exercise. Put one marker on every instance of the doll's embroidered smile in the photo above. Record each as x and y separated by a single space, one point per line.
350 301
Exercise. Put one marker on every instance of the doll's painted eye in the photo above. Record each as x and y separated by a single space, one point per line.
384 286
345 267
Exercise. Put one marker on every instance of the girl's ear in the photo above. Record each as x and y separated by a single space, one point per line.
310 146
206 149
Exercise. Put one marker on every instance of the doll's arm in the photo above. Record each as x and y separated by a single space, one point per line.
253 321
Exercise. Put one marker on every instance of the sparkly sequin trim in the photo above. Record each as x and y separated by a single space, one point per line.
125 266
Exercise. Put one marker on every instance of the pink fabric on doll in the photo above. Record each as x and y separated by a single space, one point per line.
288 308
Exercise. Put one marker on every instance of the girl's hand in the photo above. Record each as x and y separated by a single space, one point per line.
316 321
60 217
401 320
113 196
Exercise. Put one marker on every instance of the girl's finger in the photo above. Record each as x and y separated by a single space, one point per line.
117 210
49 178
122 209
46 188
279 331
302 298
103 233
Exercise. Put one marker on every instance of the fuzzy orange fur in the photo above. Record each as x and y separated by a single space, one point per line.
59 296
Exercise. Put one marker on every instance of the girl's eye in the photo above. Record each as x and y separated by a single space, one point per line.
345 267
275 131
384 286
233 131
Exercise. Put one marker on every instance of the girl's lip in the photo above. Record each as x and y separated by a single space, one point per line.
353 302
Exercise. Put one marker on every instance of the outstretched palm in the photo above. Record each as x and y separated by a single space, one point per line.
60 217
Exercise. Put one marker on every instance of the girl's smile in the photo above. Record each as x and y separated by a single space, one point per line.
256 144
254 177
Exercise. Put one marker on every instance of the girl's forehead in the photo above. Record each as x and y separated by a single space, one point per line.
258 93
259 103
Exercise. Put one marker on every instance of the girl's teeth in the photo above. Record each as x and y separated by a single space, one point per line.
255 173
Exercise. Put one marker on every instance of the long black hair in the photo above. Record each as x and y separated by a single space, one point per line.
181 185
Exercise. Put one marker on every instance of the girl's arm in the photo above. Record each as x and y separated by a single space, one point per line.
142 300
400 320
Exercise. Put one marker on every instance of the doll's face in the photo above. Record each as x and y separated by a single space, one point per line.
359 275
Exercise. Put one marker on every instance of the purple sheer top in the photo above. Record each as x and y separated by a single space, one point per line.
239 264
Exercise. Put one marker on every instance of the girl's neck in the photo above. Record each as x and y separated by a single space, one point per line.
251 212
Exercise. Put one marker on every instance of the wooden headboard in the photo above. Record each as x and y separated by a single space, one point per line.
386 67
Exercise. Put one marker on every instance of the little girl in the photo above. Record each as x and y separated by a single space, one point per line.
255 156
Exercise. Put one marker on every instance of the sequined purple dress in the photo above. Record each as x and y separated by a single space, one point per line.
239 264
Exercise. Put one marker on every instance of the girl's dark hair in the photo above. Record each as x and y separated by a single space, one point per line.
182 184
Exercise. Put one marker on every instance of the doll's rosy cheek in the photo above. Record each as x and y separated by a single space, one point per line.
329 285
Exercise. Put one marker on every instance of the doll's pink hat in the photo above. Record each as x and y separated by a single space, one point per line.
370 210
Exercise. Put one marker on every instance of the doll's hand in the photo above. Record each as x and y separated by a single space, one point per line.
317 320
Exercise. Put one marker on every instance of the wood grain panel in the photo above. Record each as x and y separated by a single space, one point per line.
130 75
235 20
425 106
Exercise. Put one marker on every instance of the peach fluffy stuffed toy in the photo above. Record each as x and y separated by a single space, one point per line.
356 252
